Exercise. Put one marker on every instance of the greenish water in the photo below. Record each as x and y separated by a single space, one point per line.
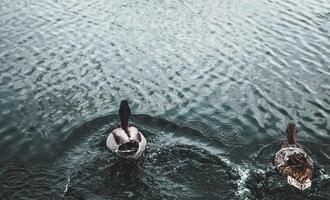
212 85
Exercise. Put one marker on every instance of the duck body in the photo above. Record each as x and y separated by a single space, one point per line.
293 161
126 141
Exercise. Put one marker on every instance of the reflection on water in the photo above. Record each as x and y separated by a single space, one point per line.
233 73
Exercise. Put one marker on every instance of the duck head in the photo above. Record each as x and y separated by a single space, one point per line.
291 133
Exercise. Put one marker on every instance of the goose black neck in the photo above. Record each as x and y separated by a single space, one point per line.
124 113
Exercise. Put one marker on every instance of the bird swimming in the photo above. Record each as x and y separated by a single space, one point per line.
293 161
126 141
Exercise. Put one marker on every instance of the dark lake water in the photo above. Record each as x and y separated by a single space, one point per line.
212 85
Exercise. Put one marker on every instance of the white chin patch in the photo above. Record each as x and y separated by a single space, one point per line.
300 186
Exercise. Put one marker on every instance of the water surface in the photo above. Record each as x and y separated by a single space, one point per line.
212 85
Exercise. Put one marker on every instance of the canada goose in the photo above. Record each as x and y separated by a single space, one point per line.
126 141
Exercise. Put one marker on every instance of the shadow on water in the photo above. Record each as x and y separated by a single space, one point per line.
181 163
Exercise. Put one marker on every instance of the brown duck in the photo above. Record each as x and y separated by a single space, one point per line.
292 161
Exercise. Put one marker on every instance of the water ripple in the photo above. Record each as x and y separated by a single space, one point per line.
237 71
